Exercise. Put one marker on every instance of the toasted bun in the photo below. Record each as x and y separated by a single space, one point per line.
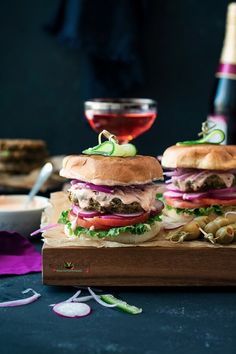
207 156
111 171
128 238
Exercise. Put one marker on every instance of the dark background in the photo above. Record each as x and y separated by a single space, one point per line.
43 83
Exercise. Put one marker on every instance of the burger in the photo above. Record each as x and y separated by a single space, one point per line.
112 198
201 179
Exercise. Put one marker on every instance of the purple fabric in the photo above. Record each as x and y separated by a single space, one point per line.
18 255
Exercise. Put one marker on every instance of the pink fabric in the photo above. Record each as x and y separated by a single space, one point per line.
18 255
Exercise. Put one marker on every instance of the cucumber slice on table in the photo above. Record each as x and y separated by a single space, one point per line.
122 305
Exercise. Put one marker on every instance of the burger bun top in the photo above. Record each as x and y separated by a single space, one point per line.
204 156
111 171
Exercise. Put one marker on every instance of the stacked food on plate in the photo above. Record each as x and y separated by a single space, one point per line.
112 194
20 163
201 185
21 156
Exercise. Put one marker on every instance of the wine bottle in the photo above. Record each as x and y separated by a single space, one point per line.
223 101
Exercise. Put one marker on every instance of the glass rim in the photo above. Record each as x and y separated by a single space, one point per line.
111 104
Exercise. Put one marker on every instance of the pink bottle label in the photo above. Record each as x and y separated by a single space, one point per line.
220 122
226 70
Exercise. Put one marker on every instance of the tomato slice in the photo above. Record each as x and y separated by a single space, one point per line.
105 224
179 203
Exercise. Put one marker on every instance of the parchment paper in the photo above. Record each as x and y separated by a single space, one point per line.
57 238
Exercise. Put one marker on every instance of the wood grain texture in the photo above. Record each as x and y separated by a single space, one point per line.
140 266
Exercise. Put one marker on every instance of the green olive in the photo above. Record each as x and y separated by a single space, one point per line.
216 224
225 235
190 231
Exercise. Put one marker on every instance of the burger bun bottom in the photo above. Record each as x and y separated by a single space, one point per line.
125 237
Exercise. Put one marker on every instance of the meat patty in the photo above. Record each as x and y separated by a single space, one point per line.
121 200
204 183
115 206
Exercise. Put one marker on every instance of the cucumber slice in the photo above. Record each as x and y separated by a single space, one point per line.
206 139
122 305
110 148
124 150
105 149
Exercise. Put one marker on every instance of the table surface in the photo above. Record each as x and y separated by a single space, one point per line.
174 320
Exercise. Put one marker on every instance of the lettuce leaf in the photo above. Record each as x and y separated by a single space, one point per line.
159 196
137 229
217 209
63 219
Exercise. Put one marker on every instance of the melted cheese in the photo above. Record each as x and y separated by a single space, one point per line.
145 196
198 180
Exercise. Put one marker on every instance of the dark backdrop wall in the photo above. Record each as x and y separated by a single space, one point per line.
43 83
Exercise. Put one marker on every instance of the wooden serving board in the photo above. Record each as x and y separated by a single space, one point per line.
176 265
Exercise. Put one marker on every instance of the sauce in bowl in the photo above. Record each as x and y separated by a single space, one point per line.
11 203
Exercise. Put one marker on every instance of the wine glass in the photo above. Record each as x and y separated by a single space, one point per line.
126 118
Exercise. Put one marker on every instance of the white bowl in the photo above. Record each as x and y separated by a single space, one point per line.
15 217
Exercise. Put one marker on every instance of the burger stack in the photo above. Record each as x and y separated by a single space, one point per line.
112 198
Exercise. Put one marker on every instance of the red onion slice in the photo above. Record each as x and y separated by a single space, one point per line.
88 214
172 194
226 193
44 228
133 215
111 216
72 298
174 225
98 188
22 302
169 173
79 185
170 223
193 196
195 176
222 193
95 187
83 298
84 213
168 181
182 177
223 190
97 298
75 209
172 187
120 216
158 208
72 309
76 181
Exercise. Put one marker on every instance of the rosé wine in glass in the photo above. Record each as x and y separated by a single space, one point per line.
125 118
